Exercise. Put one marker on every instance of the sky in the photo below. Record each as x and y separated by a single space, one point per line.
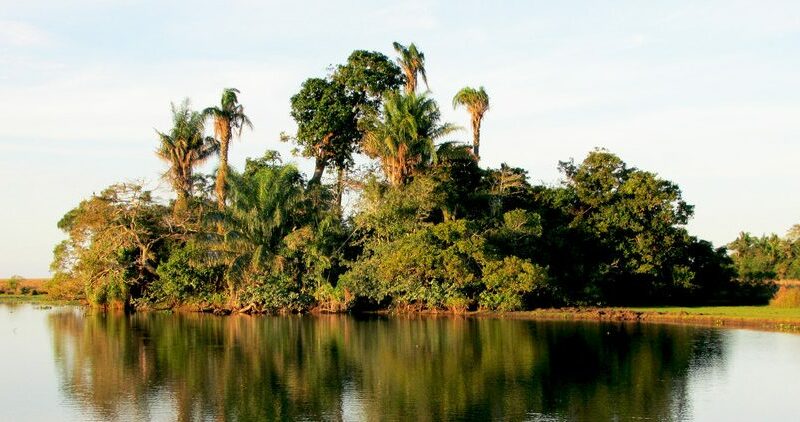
704 93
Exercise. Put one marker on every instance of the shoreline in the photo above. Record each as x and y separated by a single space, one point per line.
678 316
763 318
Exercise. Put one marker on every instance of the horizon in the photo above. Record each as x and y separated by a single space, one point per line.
705 96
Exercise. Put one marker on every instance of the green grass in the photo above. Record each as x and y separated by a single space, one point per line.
38 299
755 312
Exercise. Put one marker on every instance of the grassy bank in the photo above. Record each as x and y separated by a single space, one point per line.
757 317
23 286
29 290
36 299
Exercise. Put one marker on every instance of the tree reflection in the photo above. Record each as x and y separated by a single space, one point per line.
333 367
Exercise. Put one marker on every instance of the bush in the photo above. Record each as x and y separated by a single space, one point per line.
181 278
274 294
12 284
786 297
333 299
443 266
63 286
508 281
435 267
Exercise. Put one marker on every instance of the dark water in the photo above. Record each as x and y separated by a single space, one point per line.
66 364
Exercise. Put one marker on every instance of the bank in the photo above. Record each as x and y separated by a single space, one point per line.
756 317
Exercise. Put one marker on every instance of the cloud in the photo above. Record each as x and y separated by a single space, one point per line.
21 34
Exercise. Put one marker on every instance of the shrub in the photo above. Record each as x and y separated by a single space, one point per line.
508 281
274 294
65 287
12 284
435 267
444 266
181 278
333 299
786 297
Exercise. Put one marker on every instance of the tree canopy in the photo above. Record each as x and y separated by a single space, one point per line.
428 228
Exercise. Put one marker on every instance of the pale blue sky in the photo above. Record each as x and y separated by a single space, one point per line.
706 94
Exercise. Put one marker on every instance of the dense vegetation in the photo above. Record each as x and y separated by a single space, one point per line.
432 229
767 257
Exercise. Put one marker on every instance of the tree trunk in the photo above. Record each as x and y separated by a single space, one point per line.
181 204
476 136
339 190
222 173
319 168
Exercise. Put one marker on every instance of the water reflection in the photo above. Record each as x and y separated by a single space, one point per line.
201 367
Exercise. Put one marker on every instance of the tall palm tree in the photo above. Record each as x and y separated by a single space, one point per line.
184 147
229 118
412 62
477 103
404 138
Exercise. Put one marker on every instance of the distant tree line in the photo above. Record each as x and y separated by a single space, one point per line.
767 257
431 229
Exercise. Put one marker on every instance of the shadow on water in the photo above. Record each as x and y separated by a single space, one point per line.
192 367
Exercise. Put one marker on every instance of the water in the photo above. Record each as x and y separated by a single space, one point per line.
65 363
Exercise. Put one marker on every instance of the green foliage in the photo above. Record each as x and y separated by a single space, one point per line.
264 209
327 123
274 240
387 213
436 232
368 75
184 147
12 284
183 277
766 257
635 220
412 62
115 239
476 102
508 281
229 119
404 138
333 299
441 266
275 293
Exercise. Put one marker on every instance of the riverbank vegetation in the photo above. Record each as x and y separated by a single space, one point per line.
18 285
432 228
767 257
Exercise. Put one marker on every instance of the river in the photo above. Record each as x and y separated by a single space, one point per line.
69 363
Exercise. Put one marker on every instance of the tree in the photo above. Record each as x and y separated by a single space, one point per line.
412 62
326 124
229 118
404 138
477 103
367 76
265 206
184 147
636 220
113 245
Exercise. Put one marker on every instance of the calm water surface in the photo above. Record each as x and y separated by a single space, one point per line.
65 363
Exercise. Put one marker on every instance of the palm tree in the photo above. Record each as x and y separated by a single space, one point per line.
412 62
264 208
404 139
228 118
477 103
184 147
